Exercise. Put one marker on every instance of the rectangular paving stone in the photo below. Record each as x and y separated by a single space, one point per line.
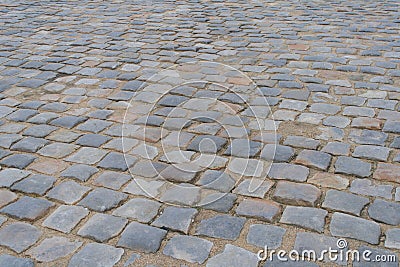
11 175
139 209
87 155
35 184
80 172
296 194
352 166
253 187
288 171
57 150
65 218
117 161
141 237
343 225
29 144
368 188
28 208
261 209
233 256
342 201
302 142
309 218
54 248
371 152
387 172
19 161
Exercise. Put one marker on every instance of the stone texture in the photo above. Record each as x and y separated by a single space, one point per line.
175 218
139 209
262 235
19 236
233 256
342 201
96 255
261 209
188 248
102 227
65 218
344 225
221 226
28 208
54 248
387 172
102 199
141 237
352 166
385 211
309 218
289 172
296 194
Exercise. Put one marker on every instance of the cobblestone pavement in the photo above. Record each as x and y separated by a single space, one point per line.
163 133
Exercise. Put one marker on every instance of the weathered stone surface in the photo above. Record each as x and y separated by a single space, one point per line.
329 180
233 256
79 171
96 255
262 235
352 166
65 218
309 218
176 218
11 175
371 152
368 188
141 237
19 236
221 226
260 209
387 172
289 172
68 192
253 187
35 184
184 194
54 248
188 248
8 260
28 208
102 227
385 211
296 194
344 225
139 209
102 199
6 197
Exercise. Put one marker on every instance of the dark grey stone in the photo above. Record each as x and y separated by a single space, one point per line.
309 218
102 199
188 248
28 208
19 236
79 171
65 218
352 166
221 226
96 255
176 218
261 235
346 202
102 227
385 211
35 184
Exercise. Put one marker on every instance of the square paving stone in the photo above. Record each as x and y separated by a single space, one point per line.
143 187
68 192
8 260
87 155
102 227
147 168
309 218
111 179
344 225
11 175
19 161
19 236
28 208
79 171
94 254
54 248
188 248
207 144
139 209
221 226
117 161
65 218
68 121
346 202
29 144
35 184
217 201
261 235
261 209
176 218
141 237
234 256
57 150
22 115
93 140
102 199
352 166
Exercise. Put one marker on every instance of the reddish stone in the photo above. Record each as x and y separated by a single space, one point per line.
388 172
